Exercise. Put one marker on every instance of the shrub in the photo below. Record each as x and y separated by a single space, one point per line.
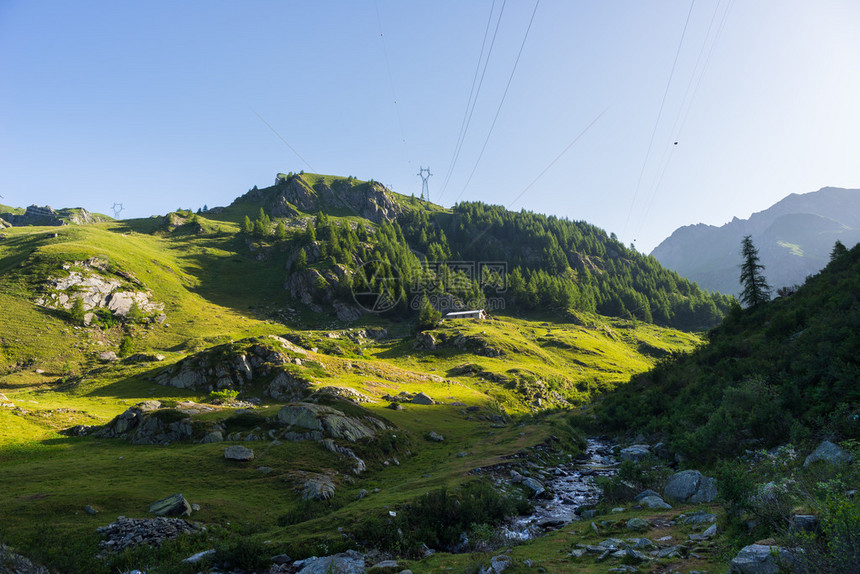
439 517
126 346
225 396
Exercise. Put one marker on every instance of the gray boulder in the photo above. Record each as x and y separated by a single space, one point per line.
175 505
238 453
435 437
690 486
422 399
637 524
349 562
655 502
214 436
760 559
829 453
318 487
644 494
636 453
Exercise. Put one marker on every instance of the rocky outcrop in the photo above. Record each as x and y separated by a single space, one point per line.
99 287
14 563
330 422
314 288
318 487
690 486
233 365
148 423
310 194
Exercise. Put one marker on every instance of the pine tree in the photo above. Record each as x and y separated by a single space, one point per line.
78 311
428 317
281 231
755 288
839 250
247 226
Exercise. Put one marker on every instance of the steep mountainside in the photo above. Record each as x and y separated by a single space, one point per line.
784 371
794 238
345 236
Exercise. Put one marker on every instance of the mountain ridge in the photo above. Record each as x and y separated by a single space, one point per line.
794 237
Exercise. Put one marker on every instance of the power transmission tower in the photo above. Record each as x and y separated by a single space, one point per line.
117 209
425 188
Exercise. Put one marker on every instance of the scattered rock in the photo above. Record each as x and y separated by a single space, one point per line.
107 357
422 399
130 532
435 437
395 407
698 517
829 453
175 505
637 524
90 510
385 564
238 453
760 559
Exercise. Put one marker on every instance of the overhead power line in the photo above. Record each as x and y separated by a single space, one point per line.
501 103
286 143
473 93
659 115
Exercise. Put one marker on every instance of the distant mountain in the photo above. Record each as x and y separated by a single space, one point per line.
794 238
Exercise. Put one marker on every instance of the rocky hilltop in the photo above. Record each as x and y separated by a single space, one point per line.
794 238
296 193
38 215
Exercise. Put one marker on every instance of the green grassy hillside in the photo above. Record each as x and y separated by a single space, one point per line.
217 287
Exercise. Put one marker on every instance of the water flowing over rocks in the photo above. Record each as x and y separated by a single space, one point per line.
565 491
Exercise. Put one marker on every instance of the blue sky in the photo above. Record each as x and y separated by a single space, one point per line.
157 105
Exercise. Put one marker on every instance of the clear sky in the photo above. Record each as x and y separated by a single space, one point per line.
158 105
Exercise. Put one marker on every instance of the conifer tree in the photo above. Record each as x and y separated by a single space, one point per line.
247 226
755 288
428 317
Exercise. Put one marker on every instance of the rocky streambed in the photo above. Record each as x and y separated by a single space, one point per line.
562 493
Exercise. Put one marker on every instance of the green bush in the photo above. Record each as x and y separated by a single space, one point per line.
439 517
225 396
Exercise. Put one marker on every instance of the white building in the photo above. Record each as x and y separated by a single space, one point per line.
477 314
